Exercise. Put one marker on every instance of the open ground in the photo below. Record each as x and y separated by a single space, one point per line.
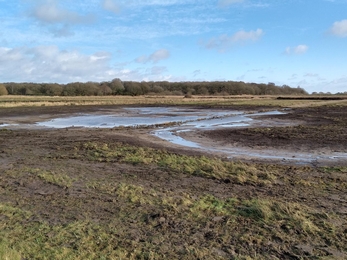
122 193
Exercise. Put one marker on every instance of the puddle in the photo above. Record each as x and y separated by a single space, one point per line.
181 120
212 121
170 136
106 121
138 117
238 120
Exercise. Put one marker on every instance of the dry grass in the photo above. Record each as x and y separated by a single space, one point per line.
243 100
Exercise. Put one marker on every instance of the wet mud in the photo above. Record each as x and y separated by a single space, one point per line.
320 132
302 136
302 130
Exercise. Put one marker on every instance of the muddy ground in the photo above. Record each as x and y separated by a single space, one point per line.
53 150
319 132
315 128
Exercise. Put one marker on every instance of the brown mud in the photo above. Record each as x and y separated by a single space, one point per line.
52 150
319 131
319 128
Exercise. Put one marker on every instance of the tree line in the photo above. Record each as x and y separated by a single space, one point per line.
133 88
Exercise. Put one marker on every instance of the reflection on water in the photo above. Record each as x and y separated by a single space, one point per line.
148 116
169 134
108 121
183 119
236 119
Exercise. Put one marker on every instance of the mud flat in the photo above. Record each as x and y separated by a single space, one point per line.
235 134
124 193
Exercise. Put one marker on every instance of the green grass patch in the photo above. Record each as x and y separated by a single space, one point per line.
60 179
341 169
203 166
8 253
111 215
157 225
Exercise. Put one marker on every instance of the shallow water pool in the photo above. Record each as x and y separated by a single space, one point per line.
170 122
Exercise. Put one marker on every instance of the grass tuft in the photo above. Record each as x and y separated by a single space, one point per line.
59 179
202 166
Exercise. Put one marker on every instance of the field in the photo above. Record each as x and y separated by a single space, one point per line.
120 193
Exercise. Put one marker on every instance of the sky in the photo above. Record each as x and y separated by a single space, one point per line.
300 43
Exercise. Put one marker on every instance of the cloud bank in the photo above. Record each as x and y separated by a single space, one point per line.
51 64
44 63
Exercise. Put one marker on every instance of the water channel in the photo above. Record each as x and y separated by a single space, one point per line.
170 122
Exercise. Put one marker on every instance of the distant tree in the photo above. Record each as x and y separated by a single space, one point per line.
53 89
105 89
167 85
145 87
90 89
3 90
201 90
11 88
82 89
69 89
132 88
301 91
32 89
157 89
117 86
15 88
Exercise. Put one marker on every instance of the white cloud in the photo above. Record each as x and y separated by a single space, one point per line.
339 28
50 64
229 2
49 12
246 36
111 6
57 19
224 42
156 56
300 49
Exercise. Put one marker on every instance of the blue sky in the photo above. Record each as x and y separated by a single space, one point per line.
293 42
